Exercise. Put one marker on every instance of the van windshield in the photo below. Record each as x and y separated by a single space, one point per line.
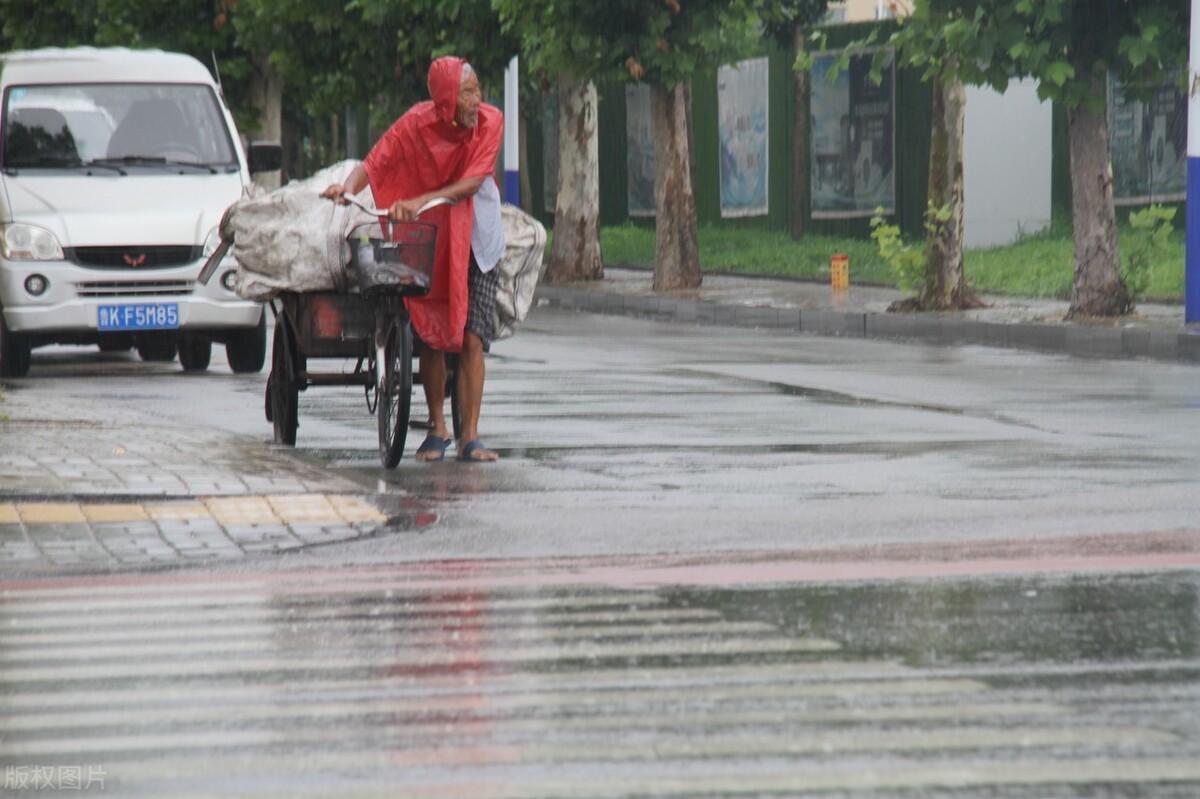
127 124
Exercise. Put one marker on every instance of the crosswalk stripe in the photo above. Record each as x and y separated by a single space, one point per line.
472 656
861 675
359 593
347 618
382 778
386 635
369 684
485 717
583 698
686 747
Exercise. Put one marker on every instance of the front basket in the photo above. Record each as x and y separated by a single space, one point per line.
399 264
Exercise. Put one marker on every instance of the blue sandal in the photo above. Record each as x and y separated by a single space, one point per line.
434 445
470 448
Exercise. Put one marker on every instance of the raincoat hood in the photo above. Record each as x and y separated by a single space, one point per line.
445 78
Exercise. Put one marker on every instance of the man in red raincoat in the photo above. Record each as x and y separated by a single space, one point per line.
444 147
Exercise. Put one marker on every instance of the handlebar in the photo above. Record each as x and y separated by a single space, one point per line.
433 203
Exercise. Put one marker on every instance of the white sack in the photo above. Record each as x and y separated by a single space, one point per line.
292 239
520 268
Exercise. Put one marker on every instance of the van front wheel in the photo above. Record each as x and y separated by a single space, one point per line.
14 352
246 349
194 353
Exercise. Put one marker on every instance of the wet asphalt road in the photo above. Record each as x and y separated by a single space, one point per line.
713 562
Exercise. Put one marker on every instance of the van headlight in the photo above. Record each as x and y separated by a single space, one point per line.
21 242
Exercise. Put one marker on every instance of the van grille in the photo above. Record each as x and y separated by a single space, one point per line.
135 256
114 288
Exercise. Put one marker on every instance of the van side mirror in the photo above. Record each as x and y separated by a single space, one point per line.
265 157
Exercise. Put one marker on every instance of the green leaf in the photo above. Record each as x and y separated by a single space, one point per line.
1059 72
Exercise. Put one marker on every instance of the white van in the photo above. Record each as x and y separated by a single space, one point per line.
115 168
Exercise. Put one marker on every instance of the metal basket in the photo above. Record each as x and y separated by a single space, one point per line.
401 263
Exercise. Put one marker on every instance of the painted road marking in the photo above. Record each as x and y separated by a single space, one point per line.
664 748
448 684
183 511
328 509
1131 552
233 623
408 681
50 513
304 508
371 706
99 513
380 776
383 635
358 598
424 659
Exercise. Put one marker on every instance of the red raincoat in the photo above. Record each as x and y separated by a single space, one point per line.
423 151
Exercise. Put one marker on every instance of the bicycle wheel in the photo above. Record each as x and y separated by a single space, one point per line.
284 384
395 393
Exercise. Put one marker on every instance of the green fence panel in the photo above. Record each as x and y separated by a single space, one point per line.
614 169
534 163
912 121
911 148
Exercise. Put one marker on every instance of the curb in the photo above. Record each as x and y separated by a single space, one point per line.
1085 341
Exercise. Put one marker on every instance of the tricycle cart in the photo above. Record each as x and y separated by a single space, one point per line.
368 322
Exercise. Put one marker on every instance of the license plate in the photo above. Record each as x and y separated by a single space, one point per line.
139 316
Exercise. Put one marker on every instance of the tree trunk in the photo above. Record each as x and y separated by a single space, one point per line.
575 253
1098 289
945 284
266 95
800 145
677 254
526 186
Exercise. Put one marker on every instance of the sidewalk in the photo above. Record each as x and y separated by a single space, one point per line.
1154 331
92 485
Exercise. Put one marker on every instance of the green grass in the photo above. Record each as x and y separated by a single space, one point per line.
1040 265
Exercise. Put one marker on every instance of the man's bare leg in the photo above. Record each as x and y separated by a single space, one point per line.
470 394
433 379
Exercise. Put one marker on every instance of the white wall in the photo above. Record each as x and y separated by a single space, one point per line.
1007 164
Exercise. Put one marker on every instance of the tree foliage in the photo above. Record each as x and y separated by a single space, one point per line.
664 42
1063 44
199 28
358 52
331 54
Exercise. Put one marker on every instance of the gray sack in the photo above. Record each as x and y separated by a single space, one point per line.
520 269
292 239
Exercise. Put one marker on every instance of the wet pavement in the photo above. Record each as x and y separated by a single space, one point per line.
354 683
1154 330
714 561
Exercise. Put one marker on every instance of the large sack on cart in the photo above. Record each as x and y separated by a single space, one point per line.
292 239
520 269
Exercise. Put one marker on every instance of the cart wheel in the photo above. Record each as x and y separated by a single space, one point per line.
283 385
452 391
395 394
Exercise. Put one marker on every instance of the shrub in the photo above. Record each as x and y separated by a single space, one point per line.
1146 245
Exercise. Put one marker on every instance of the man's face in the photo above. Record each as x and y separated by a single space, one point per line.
469 98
